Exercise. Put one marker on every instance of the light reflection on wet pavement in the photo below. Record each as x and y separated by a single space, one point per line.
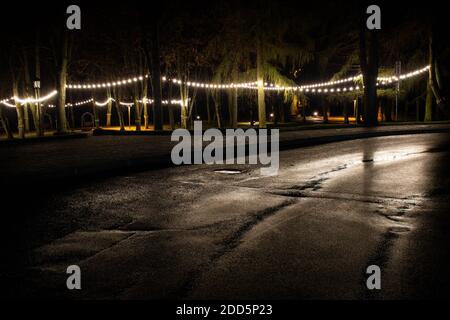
199 232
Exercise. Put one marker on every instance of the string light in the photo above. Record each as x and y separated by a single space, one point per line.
31 100
104 85
76 104
313 87
403 76
102 104
250 85
5 102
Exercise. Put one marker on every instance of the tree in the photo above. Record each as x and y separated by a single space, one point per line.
369 62
5 123
15 72
156 77
434 85
62 56
257 42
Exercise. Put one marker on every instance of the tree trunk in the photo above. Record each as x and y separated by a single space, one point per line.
26 117
417 110
95 113
387 110
108 109
146 124
143 112
217 108
368 56
232 107
207 107
38 118
325 108
5 124
119 112
72 118
29 92
260 81
357 111
171 107
429 104
432 72
27 87
234 99
156 80
62 80
184 105
434 78
19 110
137 113
346 120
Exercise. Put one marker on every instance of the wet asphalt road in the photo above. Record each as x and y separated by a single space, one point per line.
195 232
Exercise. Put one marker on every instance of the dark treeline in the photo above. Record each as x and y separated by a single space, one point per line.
285 43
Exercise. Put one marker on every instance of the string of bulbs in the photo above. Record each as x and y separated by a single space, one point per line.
309 88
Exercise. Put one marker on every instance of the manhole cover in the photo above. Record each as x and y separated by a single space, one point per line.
399 229
228 171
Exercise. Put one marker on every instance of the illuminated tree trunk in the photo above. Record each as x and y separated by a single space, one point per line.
146 115
37 115
234 99
108 109
434 82
216 97
26 87
260 81
137 112
207 107
184 105
232 107
26 117
19 110
429 104
156 80
432 72
145 102
368 57
294 110
62 80
171 107
119 111
5 123
95 113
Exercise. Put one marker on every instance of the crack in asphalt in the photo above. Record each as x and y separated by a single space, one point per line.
382 254
228 244
346 196
315 183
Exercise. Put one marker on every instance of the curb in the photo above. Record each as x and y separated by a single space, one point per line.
13 142
292 144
